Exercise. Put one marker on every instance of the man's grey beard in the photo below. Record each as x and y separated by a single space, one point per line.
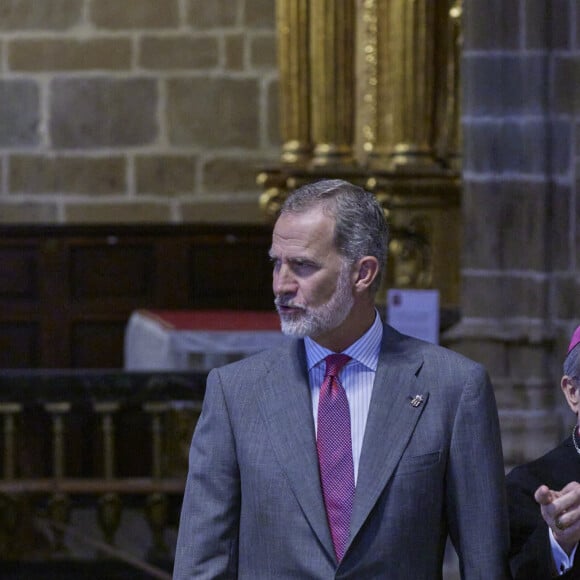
320 319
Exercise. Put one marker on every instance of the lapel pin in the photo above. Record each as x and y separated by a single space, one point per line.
417 400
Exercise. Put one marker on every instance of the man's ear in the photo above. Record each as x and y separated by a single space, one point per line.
366 270
571 391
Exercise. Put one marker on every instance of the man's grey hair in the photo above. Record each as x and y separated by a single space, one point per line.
572 363
360 225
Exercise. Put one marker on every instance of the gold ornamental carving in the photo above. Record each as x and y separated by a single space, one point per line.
332 26
294 65
412 44
369 92
450 140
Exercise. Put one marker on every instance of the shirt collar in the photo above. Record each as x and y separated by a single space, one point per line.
365 350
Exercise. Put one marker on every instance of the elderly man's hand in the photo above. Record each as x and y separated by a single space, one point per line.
561 511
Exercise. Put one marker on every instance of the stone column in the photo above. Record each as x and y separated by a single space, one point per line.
332 34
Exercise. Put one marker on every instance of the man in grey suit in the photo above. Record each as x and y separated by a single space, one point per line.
354 451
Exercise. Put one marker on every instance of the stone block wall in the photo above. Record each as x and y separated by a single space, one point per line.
136 110
521 209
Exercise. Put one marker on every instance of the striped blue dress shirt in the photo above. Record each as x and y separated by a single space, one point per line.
357 378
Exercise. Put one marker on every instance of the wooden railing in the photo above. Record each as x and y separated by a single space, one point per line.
103 441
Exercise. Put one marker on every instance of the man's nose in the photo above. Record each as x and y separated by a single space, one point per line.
283 281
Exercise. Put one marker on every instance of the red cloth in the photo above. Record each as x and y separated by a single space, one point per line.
214 319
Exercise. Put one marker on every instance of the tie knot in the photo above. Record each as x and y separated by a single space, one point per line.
334 364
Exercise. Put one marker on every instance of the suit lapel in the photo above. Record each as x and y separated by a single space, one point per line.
390 424
286 406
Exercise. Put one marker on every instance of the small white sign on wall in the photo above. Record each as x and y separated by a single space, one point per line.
414 312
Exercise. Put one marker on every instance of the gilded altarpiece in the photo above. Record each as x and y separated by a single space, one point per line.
369 92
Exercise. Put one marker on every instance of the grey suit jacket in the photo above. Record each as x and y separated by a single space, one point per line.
253 507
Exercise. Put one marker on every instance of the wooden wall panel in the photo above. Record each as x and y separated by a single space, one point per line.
97 344
230 276
19 272
19 345
111 270
66 292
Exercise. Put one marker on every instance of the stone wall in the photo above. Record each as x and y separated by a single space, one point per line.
521 209
135 110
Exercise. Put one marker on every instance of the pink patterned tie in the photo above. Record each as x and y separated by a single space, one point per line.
334 445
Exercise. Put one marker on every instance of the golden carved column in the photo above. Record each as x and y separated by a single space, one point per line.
157 507
294 72
409 43
59 504
110 506
332 34
450 137
384 114
368 102
11 505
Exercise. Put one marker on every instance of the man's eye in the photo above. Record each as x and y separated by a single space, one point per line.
303 267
